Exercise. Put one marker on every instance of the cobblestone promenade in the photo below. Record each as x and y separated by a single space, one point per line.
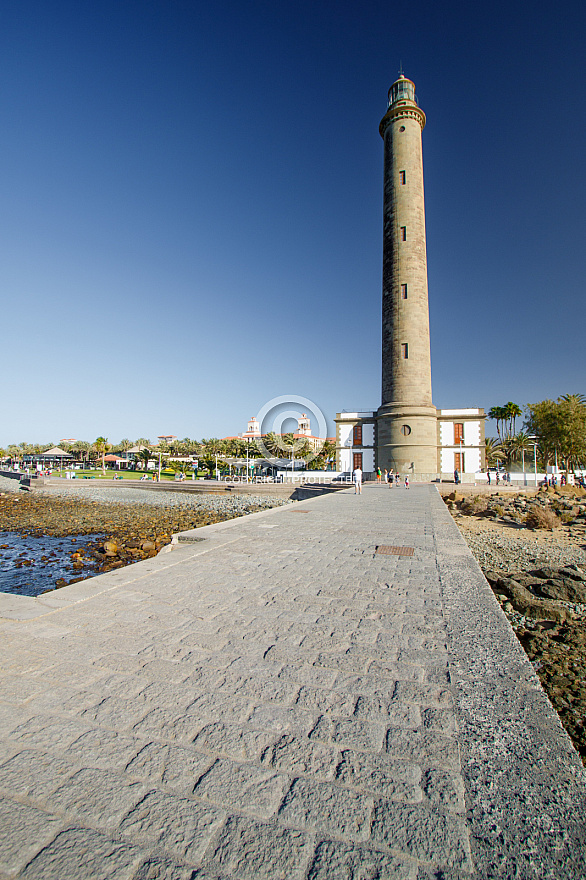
280 701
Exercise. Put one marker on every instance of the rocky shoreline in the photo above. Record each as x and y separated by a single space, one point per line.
130 528
532 551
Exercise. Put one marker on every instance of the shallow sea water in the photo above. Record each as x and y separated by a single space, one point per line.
31 565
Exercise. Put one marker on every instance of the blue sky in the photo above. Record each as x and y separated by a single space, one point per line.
191 203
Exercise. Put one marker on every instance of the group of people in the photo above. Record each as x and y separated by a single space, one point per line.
390 478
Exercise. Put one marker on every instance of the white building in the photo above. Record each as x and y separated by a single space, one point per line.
460 442
355 441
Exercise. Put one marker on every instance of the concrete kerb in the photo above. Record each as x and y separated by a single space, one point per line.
511 740
184 546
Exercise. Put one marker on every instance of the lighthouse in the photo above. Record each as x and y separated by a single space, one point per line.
407 434
406 420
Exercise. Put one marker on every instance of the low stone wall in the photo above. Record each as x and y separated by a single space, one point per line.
17 475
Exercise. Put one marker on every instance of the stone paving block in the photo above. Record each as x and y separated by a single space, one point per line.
395 780
220 706
251 850
48 731
389 711
160 725
333 860
84 855
378 685
97 797
295 755
172 696
318 701
444 789
103 749
321 805
182 827
242 787
397 671
439 719
115 713
24 830
34 774
421 833
312 676
263 689
232 741
17 689
117 662
281 719
423 694
164 670
347 661
427 748
354 733
155 868
175 767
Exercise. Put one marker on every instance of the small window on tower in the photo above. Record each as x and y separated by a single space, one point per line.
402 178
403 291
357 435
403 233
405 350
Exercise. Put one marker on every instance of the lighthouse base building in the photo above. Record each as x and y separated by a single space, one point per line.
407 434
459 445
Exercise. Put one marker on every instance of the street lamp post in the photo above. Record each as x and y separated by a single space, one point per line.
462 452
533 440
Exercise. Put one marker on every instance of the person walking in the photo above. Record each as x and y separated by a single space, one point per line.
357 475
488 475
386 476
398 480
406 482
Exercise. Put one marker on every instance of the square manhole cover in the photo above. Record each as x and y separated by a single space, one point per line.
387 550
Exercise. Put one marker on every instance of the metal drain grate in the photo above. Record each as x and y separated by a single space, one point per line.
387 550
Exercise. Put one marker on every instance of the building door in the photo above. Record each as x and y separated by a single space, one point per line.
357 463
459 462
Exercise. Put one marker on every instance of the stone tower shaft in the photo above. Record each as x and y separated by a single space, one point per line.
407 426
405 303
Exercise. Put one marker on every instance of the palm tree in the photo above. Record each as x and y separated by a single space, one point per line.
145 456
498 414
513 411
101 446
493 450
328 451
579 399
81 449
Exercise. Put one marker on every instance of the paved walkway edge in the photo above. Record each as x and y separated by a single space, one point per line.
525 783
14 607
